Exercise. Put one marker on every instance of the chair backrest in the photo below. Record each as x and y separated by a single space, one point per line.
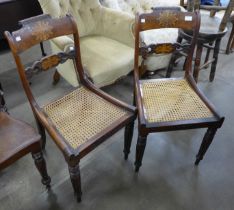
38 29
196 4
85 12
165 17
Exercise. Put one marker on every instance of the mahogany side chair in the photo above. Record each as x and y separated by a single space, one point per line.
171 103
82 119
17 139
212 30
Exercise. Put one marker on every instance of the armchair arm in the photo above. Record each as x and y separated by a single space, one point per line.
116 25
63 42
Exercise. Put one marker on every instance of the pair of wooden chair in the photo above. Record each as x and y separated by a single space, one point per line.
82 119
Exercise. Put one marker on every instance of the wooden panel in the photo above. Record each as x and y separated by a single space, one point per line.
165 18
165 48
49 62
38 29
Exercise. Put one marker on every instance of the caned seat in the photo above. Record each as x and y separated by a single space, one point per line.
85 117
83 111
172 100
170 104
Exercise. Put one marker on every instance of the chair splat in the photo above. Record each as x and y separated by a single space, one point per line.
49 62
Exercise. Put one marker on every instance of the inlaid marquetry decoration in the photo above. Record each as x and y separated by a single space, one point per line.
168 19
49 62
39 30
164 48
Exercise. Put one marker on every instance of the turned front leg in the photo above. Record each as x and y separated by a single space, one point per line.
74 171
128 139
140 148
41 166
208 138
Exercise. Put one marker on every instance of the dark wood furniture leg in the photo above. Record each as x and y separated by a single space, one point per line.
56 77
41 131
173 59
171 65
230 44
208 55
74 171
41 166
140 148
42 49
197 61
3 107
215 57
210 133
128 139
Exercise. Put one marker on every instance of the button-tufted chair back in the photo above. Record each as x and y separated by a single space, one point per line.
106 40
85 12
137 6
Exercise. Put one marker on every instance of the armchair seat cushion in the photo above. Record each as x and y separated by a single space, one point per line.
105 59
106 40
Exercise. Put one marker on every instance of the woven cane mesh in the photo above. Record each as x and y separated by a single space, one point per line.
171 100
81 115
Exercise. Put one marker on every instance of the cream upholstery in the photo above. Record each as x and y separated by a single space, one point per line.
163 35
106 39
134 6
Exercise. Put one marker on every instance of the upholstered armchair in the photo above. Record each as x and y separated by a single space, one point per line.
148 37
106 40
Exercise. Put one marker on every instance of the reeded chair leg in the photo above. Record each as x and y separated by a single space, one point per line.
41 131
210 133
41 166
74 172
215 56
56 77
128 139
140 148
